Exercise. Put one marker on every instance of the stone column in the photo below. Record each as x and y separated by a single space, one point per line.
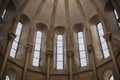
70 57
90 49
49 54
11 38
107 36
28 51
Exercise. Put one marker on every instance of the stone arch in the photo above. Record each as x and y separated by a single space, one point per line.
94 20
12 73
107 74
24 18
78 27
41 26
60 29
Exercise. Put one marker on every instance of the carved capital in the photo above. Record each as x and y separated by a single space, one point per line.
29 47
70 53
49 52
90 48
107 36
11 36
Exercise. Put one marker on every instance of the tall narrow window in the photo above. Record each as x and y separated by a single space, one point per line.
4 12
111 77
7 77
81 49
59 52
16 40
116 15
37 48
115 12
104 46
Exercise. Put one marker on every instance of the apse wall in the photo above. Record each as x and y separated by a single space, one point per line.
96 66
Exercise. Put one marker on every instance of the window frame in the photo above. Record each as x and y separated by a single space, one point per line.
102 42
17 42
39 59
8 77
79 51
4 13
63 66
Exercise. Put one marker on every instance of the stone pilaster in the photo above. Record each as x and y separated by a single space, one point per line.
70 54
11 37
49 54
90 49
28 52
107 36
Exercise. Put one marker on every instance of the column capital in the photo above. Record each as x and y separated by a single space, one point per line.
29 47
107 36
49 52
11 36
70 53
90 48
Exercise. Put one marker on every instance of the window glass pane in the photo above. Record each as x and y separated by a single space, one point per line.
36 54
59 49
115 12
102 41
83 62
35 62
82 54
59 37
80 34
81 47
37 46
111 77
12 52
59 57
106 53
38 34
38 40
59 43
16 40
59 52
81 41
59 65
14 45
4 12
7 77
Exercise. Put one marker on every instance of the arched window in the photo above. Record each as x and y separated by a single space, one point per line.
7 77
16 40
111 77
103 43
59 52
37 48
116 16
4 12
81 49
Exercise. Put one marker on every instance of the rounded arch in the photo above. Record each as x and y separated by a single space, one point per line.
12 73
11 6
94 20
78 27
107 74
108 7
60 29
24 19
41 26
